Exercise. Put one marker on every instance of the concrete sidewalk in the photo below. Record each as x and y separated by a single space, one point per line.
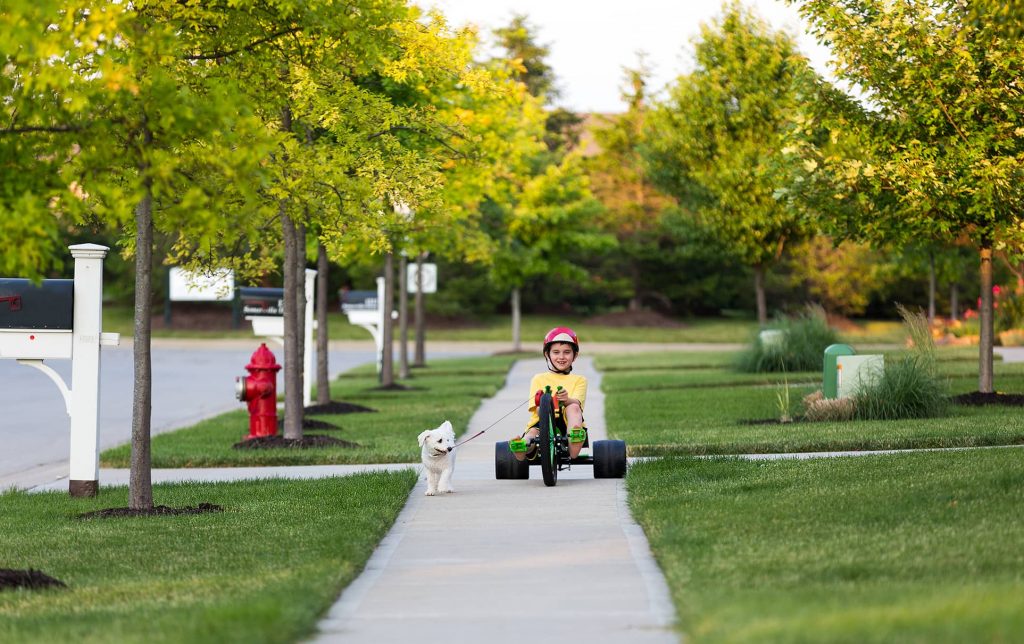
510 561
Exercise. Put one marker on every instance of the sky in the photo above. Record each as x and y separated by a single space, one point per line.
591 41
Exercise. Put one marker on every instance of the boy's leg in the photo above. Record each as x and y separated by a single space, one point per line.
574 419
533 432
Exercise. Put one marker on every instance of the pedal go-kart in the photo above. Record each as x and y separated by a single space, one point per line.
608 456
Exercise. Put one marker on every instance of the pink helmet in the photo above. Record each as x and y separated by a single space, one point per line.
561 334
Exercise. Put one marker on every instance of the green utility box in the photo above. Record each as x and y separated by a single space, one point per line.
854 371
830 385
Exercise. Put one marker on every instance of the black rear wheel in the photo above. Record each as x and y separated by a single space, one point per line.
548 441
609 459
506 466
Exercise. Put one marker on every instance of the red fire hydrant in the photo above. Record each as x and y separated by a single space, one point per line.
259 390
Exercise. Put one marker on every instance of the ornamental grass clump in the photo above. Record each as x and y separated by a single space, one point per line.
801 346
909 386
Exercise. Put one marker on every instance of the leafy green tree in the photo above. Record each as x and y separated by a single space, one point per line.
843 278
53 63
633 205
528 60
942 134
716 144
527 57
150 130
541 206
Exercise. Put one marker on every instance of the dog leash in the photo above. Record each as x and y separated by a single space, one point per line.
479 433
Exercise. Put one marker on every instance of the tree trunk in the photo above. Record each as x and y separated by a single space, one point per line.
954 302
323 379
762 305
403 318
420 358
387 367
517 322
292 358
140 484
986 341
931 287
634 304
300 316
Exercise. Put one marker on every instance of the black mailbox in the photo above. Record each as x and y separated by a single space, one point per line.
261 301
49 305
359 301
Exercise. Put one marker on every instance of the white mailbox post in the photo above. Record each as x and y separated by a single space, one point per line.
270 324
368 312
35 328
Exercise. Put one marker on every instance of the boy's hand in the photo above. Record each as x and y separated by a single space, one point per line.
562 396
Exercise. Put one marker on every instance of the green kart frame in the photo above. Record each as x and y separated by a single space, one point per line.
608 456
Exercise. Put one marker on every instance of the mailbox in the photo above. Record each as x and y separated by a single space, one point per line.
261 301
358 301
47 306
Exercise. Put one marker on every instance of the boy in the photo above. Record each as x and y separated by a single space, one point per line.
561 347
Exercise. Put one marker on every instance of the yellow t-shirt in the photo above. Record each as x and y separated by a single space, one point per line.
575 385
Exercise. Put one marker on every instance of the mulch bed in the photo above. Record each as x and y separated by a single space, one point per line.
336 407
977 398
156 510
397 387
11 578
311 423
306 442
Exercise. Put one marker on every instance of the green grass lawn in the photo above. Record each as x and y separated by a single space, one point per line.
264 570
920 547
446 390
498 328
687 403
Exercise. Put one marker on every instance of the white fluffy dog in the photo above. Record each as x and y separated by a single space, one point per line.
438 459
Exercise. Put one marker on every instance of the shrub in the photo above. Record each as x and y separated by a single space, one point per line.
908 387
1009 311
802 348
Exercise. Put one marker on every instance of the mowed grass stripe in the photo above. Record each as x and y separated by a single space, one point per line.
717 411
264 570
911 548
446 390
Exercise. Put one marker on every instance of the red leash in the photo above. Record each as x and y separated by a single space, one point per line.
480 433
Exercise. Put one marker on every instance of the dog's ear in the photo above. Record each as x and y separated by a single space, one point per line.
423 436
446 426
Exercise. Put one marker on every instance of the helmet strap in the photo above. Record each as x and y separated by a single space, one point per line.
551 367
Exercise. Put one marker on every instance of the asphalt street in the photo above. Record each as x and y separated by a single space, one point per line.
192 380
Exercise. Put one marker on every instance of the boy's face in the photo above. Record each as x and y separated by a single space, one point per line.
561 355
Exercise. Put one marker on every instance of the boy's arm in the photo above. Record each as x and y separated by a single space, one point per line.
579 392
534 386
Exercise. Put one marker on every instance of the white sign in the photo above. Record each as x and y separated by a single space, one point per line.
187 286
429 277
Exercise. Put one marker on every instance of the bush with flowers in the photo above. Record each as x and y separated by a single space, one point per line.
1008 321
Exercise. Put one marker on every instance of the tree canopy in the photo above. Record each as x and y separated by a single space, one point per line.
716 143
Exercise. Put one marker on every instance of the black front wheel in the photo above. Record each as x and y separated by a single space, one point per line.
548 441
